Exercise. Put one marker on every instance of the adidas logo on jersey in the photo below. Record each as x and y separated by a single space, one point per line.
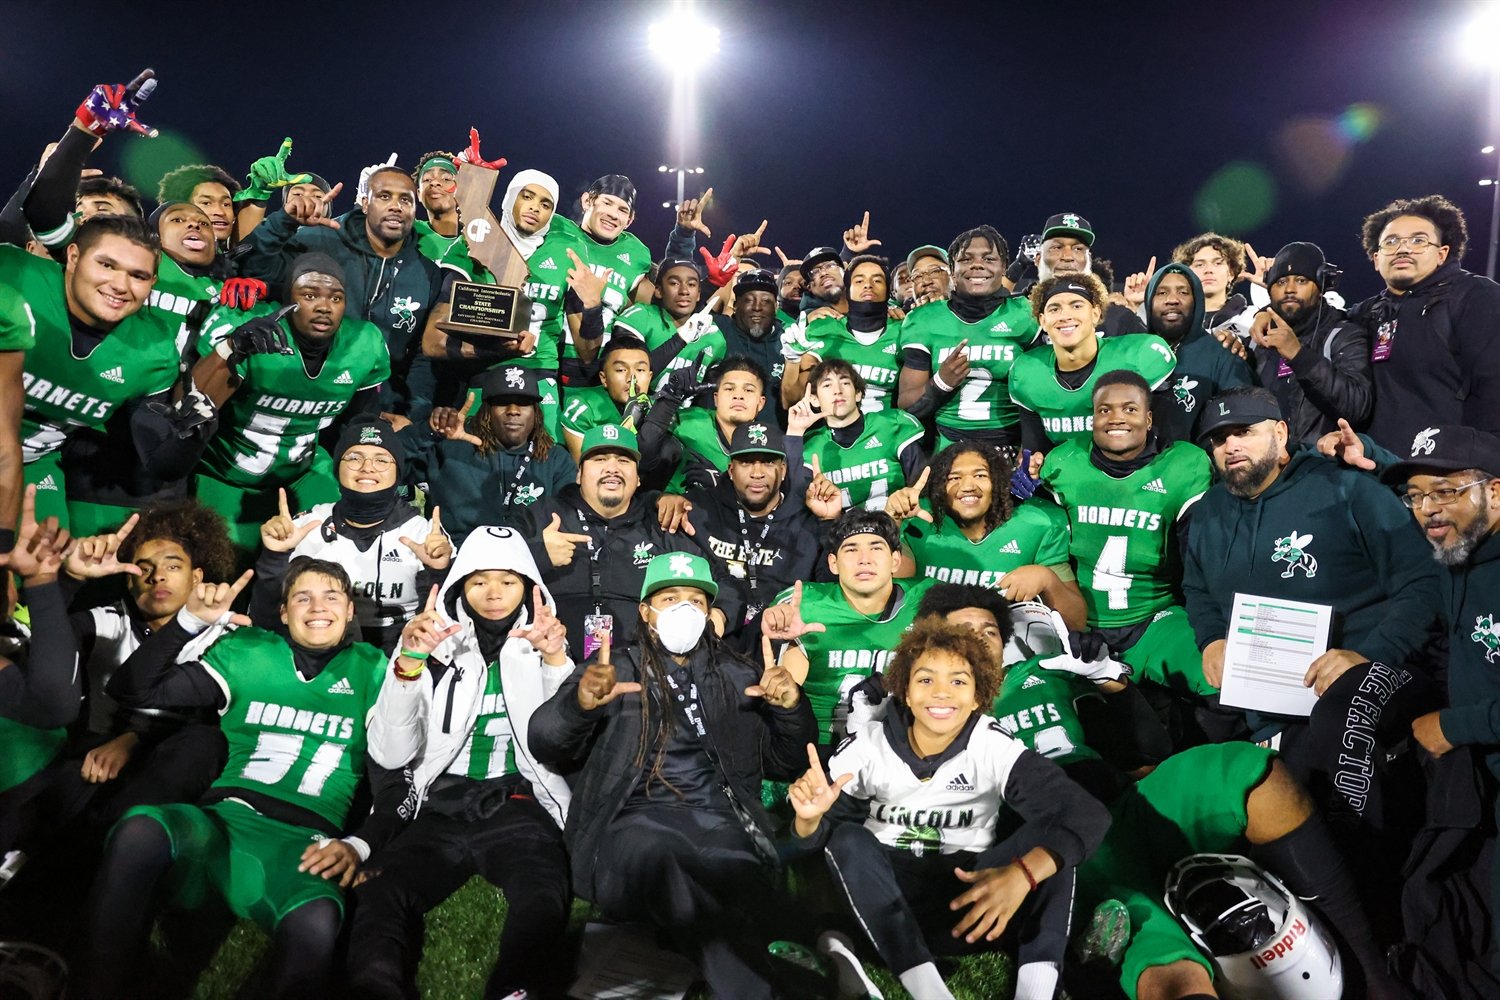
889 349
959 783
624 258
115 374
1155 486
1000 327
47 484
1031 682
391 555
547 265
1011 547
341 686
874 442
344 378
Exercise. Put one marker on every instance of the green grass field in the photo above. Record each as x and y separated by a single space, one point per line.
463 934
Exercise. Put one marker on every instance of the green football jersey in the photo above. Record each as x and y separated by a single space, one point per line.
1035 534
490 751
1037 707
1068 414
268 430
655 327
300 741
698 430
1122 528
585 408
995 342
869 470
17 321
854 646
624 263
178 294
449 251
137 358
877 359
547 289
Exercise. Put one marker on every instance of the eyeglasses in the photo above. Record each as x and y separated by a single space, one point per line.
928 272
1442 497
831 265
355 459
1419 242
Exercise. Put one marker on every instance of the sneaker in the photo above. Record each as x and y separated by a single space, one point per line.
854 981
1107 936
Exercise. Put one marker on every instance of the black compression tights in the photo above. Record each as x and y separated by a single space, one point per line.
302 950
117 921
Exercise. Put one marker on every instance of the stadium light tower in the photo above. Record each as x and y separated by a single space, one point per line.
684 44
1481 44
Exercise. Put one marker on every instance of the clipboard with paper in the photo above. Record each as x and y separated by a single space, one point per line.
1270 644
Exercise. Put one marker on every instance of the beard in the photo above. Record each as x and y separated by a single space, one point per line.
1292 312
1458 553
1173 332
1245 481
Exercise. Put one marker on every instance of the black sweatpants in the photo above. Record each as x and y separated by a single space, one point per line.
693 873
519 849
901 900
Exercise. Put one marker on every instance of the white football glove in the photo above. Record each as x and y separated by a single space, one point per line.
362 191
1101 668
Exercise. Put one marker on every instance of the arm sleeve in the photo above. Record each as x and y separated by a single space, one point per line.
398 724
1033 434
265 596
682 243
49 205
1060 816
1339 385
932 399
152 677
13 228
162 449
661 450
389 788
45 692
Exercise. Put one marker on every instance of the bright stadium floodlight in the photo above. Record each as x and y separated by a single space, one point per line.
683 44
1481 37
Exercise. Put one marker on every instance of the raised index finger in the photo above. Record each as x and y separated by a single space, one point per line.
285 150
241 583
704 198
1151 266
437 518
865 225
281 503
127 528
431 604
767 652
604 644
921 482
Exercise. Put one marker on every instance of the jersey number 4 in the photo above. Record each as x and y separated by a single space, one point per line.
1109 572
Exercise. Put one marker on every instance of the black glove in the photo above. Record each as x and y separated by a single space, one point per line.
193 411
1088 645
682 385
1020 269
261 335
871 689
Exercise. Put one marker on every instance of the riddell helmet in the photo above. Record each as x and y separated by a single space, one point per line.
1033 632
1264 941
31 972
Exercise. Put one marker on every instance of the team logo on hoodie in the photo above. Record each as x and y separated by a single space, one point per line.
642 554
1292 550
1425 442
404 308
1182 389
1487 634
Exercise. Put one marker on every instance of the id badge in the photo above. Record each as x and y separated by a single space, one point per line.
1283 370
595 628
1385 339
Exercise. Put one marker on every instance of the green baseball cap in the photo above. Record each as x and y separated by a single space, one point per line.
679 569
926 250
609 437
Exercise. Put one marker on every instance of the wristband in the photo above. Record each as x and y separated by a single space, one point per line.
937 380
1030 879
411 655
403 675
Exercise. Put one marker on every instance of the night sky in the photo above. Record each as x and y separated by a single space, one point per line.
1154 120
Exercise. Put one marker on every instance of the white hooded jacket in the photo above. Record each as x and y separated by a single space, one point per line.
427 722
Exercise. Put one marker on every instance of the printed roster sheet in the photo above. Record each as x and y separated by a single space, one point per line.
1270 645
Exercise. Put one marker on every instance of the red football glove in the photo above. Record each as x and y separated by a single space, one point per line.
472 155
110 107
721 268
242 293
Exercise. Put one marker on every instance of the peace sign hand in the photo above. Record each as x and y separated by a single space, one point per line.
211 602
812 795
281 533
777 686
1135 285
857 238
435 551
783 622
690 214
95 558
907 501
588 286
598 686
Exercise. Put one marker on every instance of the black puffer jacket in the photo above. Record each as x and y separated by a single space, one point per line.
751 739
1329 378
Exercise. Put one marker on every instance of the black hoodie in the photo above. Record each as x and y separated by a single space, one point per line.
1204 369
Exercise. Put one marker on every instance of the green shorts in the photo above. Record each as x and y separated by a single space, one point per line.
27 749
247 509
1194 803
46 475
1167 654
248 860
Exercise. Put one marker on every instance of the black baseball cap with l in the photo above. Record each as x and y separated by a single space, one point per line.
1236 411
1447 448
1069 224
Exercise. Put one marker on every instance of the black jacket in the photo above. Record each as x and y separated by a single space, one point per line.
751 740
1329 378
621 548
1444 363
1204 369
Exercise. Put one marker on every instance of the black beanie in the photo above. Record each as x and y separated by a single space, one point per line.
1303 259
376 432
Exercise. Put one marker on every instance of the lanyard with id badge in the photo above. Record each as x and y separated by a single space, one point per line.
754 605
597 625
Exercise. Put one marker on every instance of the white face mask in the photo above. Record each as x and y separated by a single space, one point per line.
680 627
